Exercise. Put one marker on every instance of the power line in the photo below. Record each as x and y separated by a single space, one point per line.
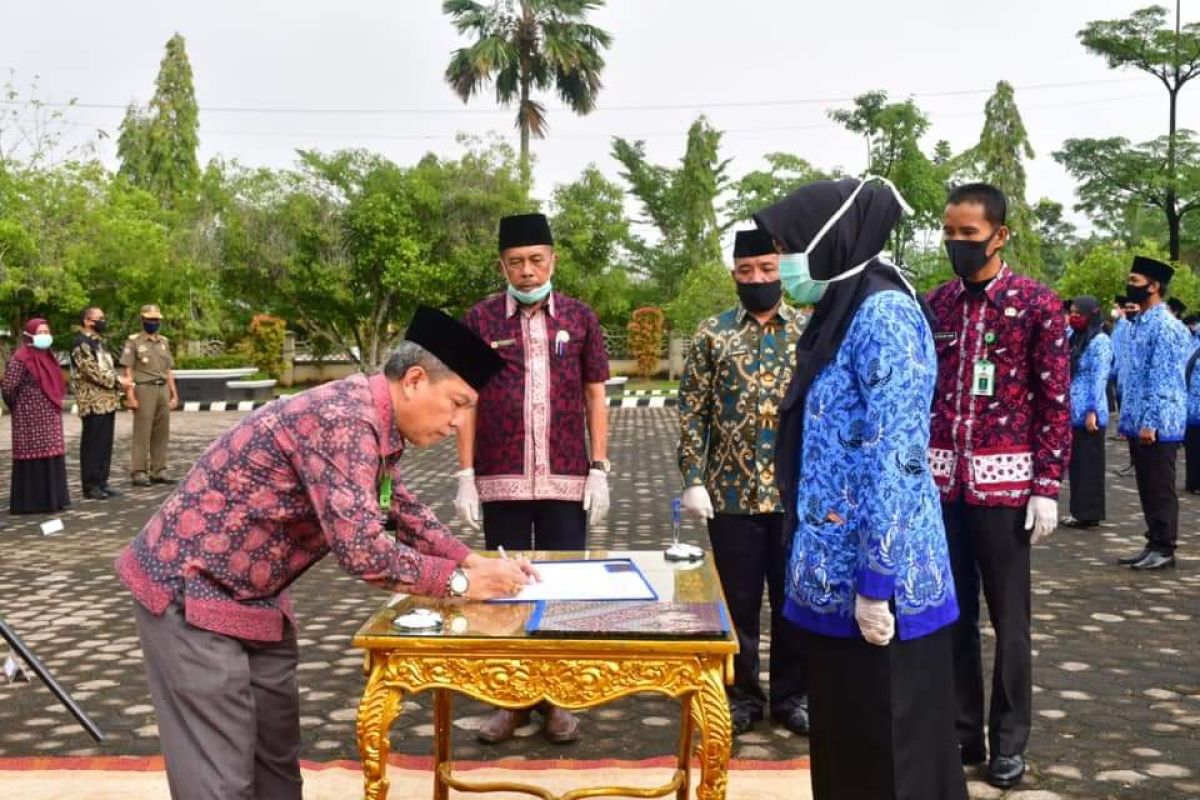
599 109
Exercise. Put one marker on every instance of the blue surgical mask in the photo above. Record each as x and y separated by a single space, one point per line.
529 298
42 341
794 271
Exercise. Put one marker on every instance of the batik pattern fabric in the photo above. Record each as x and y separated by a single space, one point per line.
1120 347
1155 394
94 376
997 450
1089 385
736 375
37 426
869 518
1193 406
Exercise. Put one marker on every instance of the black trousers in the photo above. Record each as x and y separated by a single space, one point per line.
534 525
1191 448
882 719
989 547
1154 467
749 550
1087 475
95 449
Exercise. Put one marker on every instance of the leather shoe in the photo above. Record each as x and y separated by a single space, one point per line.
500 725
562 727
110 491
1154 560
743 718
794 718
163 480
95 494
973 754
140 480
1004 772
1071 522
1129 561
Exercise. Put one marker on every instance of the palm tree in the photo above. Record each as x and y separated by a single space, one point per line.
523 45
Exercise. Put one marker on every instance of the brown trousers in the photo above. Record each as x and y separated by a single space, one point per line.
228 710
151 430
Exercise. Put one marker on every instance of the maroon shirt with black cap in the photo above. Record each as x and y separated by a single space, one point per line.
531 419
998 450
289 484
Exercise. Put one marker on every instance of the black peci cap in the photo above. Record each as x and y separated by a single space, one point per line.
752 242
523 230
455 345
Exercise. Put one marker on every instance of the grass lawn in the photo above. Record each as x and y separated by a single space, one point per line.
650 384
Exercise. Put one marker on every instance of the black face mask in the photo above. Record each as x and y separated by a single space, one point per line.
1138 294
760 297
150 327
967 257
99 325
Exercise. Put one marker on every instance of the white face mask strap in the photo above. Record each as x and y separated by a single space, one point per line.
895 192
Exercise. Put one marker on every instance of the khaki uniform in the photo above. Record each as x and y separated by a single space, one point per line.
149 354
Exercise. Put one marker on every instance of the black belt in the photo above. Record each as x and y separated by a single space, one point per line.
159 382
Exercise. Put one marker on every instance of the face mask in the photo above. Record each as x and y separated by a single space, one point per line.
1138 294
42 341
150 326
760 297
967 257
99 325
1077 322
533 296
794 271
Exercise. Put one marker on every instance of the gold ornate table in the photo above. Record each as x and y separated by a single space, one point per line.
484 652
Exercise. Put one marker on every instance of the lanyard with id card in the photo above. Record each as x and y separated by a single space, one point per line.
983 377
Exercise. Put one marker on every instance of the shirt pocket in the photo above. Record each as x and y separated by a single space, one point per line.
1007 470
732 369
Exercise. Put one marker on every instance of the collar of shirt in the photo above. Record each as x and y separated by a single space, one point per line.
784 312
1150 314
511 306
382 399
993 288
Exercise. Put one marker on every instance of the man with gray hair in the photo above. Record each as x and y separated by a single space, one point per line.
300 478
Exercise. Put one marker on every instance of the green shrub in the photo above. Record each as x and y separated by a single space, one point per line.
223 361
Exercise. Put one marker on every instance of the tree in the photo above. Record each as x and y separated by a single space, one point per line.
1144 42
1104 270
681 203
893 134
526 45
157 148
1056 236
998 159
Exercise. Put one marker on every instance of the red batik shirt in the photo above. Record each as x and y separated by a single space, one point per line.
280 490
531 420
996 451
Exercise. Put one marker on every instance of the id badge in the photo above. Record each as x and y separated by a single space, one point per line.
983 381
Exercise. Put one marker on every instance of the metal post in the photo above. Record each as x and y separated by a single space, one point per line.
37 666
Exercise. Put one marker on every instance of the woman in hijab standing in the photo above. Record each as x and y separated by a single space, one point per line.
34 390
869 578
1091 364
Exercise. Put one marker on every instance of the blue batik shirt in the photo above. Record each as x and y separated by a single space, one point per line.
1120 346
870 519
1089 384
1193 405
1154 394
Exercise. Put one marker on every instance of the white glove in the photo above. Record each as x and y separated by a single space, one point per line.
874 619
1041 517
695 501
466 501
595 496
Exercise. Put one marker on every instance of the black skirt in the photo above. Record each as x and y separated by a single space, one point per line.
39 486
1087 475
882 719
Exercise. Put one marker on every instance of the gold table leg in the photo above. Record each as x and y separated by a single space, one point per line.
376 713
441 742
711 710
684 762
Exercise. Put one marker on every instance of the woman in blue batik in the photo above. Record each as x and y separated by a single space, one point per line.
869 579
1091 364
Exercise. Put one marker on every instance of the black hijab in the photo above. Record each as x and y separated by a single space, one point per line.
1090 308
858 236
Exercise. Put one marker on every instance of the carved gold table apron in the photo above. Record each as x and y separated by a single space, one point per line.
484 652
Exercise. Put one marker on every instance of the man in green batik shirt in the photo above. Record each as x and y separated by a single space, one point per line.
738 369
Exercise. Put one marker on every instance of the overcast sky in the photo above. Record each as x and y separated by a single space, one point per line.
765 71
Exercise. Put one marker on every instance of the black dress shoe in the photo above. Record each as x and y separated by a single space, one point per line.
973 754
95 494
744 717
1071 522
794 718
1154 560
1129 561
163 480
1004 772
110 491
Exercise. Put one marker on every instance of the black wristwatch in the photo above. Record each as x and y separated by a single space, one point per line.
602 464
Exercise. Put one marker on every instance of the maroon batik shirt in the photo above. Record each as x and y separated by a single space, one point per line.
295 480
996 451
530 424
37 426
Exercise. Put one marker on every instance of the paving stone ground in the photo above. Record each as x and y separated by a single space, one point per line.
1117 658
